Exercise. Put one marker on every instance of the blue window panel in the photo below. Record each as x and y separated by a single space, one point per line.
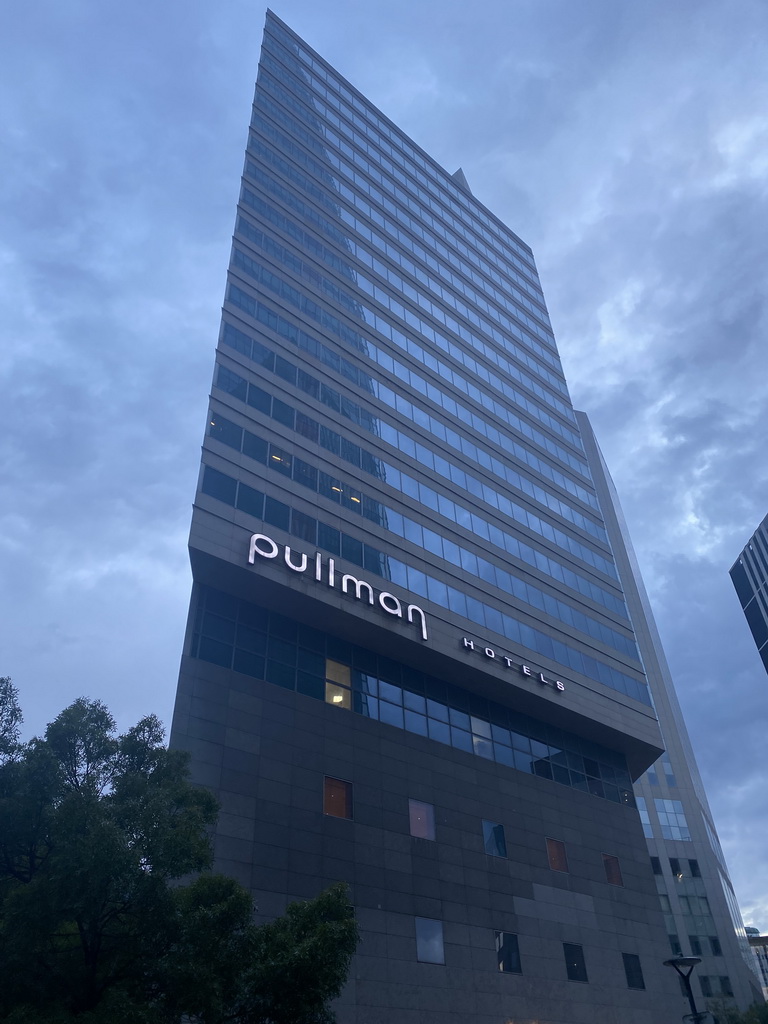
438 731
416 723
461 740
390 714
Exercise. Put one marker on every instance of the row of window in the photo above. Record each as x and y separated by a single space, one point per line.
337 802
237 634
715 985
677 865
433 180
486 572
360 172
344 493
422 825
307 305
701 945
672 820
444 268
385 327
384 431
275 513
308 243
371 215
434 184
430 949
692 906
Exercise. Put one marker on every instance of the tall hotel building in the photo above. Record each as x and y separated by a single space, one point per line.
409 663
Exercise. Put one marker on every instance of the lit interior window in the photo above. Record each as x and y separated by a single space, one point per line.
337 695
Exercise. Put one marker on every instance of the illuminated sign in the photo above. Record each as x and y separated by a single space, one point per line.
492 655
324 570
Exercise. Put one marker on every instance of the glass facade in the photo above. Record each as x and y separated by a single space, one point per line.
242 636
378 317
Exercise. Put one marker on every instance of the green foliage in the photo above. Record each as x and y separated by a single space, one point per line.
724 1014
97 830
10 719
300 961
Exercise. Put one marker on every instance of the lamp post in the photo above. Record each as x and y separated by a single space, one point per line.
684 966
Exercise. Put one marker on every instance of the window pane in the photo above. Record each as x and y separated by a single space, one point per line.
612 869
508 953
219 485
429 941
557 859
633 970
250 500
493 839
337 672
225 431
337 798
575 967
422 819
337 695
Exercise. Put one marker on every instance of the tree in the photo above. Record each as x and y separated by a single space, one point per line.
10 719
722 1013
97 832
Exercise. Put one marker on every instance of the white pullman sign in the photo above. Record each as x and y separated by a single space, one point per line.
265 547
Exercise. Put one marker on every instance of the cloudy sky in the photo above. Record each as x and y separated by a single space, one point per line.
627 142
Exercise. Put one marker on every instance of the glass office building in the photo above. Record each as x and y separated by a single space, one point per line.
701 914
409 662
749 575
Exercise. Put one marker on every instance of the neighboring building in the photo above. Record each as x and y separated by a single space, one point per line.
409 662
749 575
759 944
700 910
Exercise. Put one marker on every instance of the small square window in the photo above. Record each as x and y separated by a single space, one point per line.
558 860
695 945
693 867
575 966
656 865
508 953
429 941
422 819
337 798
633 971
714 942
493 839
706 986
674 943
725 985
674 866
612 869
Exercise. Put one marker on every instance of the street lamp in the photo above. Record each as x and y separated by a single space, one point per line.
684 966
